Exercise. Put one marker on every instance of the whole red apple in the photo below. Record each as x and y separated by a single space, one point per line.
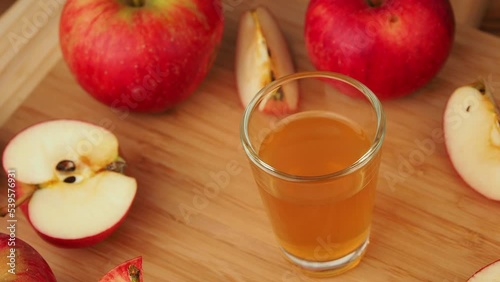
141 55
22 263
394 47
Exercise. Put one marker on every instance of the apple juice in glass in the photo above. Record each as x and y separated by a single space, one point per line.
316 169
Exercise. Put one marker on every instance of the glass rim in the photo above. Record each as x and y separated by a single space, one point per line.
375 146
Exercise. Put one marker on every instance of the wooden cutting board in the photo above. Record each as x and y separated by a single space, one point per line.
428 224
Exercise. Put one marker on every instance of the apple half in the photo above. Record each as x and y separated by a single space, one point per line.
70 181
129 271
472 137
489 273
262 56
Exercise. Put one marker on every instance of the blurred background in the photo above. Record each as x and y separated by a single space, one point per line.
481 14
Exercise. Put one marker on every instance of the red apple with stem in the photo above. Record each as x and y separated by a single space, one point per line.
394 47
22 263
141 55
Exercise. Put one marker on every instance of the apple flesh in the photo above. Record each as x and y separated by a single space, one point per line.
489 273
140 55
262 56
394 47
19 262
129 271
472 138
68 174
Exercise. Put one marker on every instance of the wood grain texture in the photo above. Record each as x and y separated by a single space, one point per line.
29 49
428 224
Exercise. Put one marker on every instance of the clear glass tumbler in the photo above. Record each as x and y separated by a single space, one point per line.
316 168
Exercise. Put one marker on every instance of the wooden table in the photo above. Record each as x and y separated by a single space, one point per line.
428 224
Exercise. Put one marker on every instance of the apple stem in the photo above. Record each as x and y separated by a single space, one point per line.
116 166
375 3
134 273
5 210
136 3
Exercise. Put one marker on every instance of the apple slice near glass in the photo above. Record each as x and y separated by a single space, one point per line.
472 137
262 55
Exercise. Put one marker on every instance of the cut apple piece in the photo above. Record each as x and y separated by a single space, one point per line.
90 148
262 56
69 181
489 273
79 210
472 138
129 271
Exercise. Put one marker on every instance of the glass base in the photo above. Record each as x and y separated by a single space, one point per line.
329 268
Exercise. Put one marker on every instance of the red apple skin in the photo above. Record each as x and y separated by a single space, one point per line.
145 59
120 273
394 49
68 243
30 266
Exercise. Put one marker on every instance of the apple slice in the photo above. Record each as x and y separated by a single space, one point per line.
69 181
472 138
129 271
262 55
489 273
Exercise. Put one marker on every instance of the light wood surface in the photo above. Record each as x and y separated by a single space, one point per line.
428 224
29 48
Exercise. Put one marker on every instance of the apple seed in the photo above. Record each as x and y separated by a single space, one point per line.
480 86
70 179
66 166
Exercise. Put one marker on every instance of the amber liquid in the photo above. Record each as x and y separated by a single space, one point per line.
323 220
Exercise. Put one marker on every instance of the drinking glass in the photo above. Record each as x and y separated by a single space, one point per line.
316 166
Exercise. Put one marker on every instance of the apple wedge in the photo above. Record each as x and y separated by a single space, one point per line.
472 138
262 56
129 271
489 273
69 181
